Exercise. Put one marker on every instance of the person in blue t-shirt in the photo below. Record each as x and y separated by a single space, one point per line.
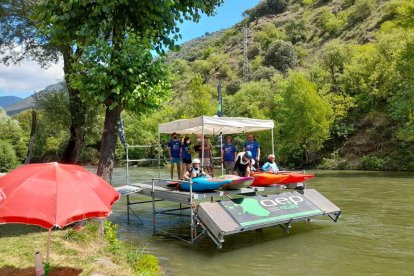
175 154
254 147
270 165
228 154
186 155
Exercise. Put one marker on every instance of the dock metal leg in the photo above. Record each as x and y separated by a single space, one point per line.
128 203
286 226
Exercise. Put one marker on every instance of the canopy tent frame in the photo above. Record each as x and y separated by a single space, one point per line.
212 125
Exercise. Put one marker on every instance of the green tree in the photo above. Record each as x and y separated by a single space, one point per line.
8 158
305 118
12 133
20 25
115 67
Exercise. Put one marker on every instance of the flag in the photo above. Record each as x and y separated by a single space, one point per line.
121 132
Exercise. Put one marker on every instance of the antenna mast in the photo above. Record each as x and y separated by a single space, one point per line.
245 58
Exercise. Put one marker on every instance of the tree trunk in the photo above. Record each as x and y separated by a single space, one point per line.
32 136
78 116
108 143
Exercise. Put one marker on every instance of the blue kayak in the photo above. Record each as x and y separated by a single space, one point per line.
203 184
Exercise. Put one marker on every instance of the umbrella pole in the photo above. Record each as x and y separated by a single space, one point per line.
48 245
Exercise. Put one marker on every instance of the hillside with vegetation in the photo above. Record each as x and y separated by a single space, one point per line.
337 77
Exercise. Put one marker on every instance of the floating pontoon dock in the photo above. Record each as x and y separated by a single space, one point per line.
221 213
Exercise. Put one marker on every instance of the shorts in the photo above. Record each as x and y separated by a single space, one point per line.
228 165
187 161
207 162
175 160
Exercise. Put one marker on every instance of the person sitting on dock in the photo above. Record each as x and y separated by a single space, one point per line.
270 165
244 162
195 170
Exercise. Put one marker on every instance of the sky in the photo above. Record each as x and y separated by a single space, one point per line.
28 77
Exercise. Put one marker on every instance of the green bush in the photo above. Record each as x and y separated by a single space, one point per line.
330 23
281 55
373 163
233 86
296 30
360 11
8 158
253 50
143 264
266 7
263 73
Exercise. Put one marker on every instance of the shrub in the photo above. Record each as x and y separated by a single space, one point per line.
253 50
143 264
281 55
296 30
360 11
266 7
372 163
263 73
8 158
233 86
331 23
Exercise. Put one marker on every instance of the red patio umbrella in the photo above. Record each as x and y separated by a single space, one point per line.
53 194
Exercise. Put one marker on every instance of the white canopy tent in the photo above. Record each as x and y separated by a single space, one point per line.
213 125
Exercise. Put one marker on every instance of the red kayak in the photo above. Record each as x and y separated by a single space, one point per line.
267 179
295 177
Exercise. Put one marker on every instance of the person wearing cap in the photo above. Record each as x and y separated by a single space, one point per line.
253 146
228 154
270 165
175 154
244 162
195 170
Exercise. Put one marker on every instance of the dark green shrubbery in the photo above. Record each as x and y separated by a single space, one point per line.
372 162
8 158
266 7
233 86
263 73
281 55
360 11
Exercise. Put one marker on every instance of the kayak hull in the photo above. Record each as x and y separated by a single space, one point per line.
204 184
237 182
295 177
266 179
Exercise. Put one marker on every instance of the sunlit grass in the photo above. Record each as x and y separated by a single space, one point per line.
80 249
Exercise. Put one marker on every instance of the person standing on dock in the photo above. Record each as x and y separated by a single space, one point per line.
270 165
175 154
228 154
254 147
186 155
244 162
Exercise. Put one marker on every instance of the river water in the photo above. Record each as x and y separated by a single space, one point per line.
374 235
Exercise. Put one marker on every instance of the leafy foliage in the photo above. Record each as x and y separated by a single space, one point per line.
281 55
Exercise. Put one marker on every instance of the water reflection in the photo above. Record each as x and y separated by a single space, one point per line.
373 236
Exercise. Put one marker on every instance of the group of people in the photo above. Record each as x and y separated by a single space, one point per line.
240 163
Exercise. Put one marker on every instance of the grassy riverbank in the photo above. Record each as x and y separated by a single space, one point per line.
73 252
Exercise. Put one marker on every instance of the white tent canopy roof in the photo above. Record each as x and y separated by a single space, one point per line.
215 125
